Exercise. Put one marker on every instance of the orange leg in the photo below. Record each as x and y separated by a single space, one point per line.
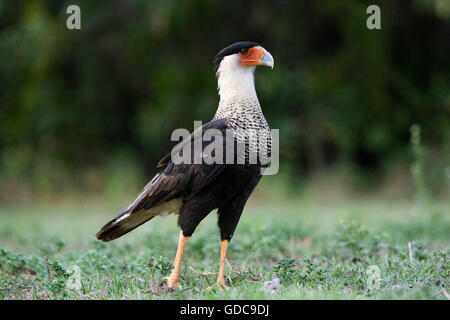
172 280
223 257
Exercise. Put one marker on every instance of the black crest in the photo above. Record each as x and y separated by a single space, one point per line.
232 49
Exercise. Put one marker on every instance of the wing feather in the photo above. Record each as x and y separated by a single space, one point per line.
175 181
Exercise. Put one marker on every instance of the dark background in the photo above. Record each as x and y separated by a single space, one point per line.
92 110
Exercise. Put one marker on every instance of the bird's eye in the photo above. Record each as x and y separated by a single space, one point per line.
244 50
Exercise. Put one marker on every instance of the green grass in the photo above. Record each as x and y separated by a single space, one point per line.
317 250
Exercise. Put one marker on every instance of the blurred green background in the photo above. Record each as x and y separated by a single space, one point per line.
91 111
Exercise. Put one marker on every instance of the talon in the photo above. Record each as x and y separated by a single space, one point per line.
172 281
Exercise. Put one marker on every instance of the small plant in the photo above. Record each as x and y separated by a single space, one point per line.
56 286
285 270
16 263
159 267
355 242
59 270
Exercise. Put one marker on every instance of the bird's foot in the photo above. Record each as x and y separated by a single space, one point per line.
172 281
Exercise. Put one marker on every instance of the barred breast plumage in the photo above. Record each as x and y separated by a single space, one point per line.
248 124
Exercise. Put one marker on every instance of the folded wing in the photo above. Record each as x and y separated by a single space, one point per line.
177 182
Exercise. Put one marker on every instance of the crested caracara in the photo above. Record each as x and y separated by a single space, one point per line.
192 189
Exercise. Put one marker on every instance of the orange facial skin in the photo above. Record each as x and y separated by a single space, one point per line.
252 57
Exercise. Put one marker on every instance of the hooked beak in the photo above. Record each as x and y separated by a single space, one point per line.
267 60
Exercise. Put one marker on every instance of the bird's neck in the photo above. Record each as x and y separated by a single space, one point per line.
235 82
237 91
236 86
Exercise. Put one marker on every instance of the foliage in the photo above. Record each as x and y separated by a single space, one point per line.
324 253
94 108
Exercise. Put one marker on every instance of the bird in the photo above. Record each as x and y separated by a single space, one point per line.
193 190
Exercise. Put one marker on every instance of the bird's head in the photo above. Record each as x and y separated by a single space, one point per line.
245 55
235 66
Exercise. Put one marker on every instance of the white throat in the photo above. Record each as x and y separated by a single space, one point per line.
235 82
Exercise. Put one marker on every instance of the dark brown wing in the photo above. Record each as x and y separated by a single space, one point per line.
181 179
175 181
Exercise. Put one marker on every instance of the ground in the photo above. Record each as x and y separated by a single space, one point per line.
353 249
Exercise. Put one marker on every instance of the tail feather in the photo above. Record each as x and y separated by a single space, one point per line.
122 224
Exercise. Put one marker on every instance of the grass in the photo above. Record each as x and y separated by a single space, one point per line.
341 250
